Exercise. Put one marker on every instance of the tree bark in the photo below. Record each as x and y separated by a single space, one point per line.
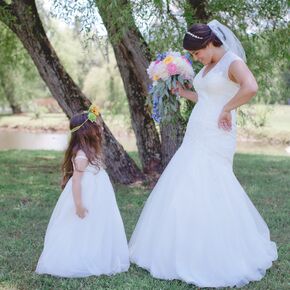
133 56
22 18
172 134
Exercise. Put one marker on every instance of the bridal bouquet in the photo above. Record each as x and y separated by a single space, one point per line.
169 69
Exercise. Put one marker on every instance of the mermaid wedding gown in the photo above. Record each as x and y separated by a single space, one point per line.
198 225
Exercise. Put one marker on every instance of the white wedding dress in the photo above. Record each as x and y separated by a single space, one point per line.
198 225
95 245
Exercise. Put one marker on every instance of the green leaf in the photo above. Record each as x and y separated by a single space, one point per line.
92 117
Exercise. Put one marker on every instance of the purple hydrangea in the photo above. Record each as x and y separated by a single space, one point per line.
161 56
156 114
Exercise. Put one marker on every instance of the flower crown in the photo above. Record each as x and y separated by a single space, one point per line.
93 113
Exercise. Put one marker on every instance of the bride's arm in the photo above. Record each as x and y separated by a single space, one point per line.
240 74
187 94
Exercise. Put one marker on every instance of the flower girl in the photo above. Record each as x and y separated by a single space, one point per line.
85 235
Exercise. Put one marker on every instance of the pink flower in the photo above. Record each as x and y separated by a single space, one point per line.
172 69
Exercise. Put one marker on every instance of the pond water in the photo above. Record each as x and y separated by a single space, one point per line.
47 141
58 141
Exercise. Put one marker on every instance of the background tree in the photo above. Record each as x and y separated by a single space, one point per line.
23 19
138 29
261 26
133 56
8 50
19 81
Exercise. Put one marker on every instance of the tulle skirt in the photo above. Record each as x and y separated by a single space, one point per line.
95 245
198 224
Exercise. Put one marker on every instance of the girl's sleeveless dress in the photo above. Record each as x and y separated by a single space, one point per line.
95 245
198 224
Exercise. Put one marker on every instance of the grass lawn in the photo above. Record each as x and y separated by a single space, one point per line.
277 126
29 188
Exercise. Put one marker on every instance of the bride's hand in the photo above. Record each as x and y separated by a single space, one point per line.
179 90
185 92
225 120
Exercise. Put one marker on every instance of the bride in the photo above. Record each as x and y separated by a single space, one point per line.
198 225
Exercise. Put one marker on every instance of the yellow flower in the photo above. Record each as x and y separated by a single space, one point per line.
155 78
95 110
168 59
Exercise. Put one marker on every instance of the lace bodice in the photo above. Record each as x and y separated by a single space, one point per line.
90 168
214 90
215 86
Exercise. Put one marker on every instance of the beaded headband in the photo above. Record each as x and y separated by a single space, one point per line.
93 113
193 35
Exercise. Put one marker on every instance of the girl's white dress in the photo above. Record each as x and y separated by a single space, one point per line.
95 245
198 225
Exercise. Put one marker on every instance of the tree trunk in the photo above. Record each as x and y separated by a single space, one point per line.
16 108
8 88
132 56
22 18
172 133
124 169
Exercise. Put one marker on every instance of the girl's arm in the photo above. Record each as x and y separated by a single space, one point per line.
240 74
79 167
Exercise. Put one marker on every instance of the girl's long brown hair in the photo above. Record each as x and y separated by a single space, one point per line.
87 138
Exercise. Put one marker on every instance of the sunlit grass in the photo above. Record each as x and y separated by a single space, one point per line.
29 188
